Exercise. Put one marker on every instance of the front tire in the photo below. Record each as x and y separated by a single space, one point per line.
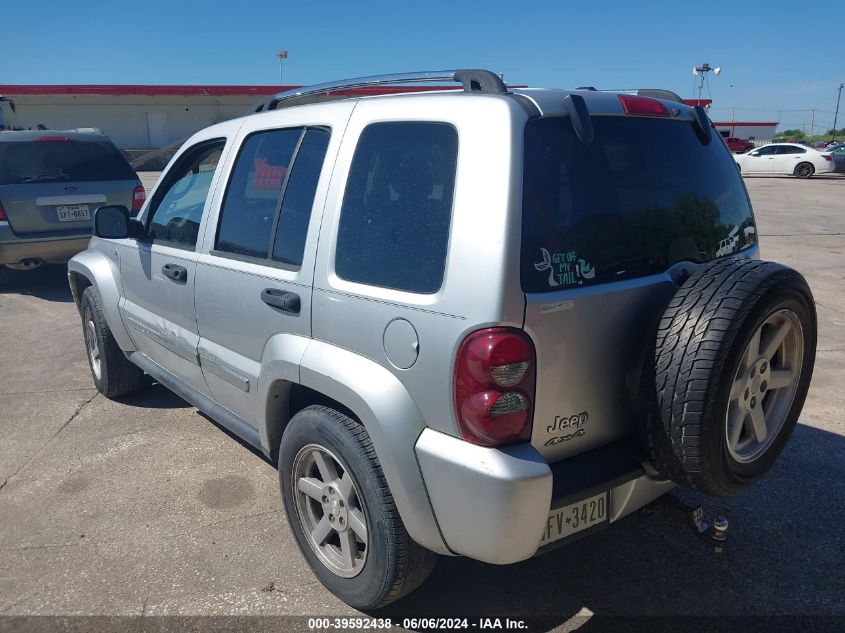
804 170
342 513
113 374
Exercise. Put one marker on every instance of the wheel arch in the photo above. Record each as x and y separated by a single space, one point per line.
322 373
91 268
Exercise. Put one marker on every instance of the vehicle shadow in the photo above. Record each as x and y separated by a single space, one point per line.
47 282
155 396
783 556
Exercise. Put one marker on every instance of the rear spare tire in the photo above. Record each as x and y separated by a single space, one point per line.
734 356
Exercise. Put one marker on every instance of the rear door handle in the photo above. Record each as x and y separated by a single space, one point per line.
175 272
283 300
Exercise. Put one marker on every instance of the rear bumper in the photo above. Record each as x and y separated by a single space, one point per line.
14 250
493 504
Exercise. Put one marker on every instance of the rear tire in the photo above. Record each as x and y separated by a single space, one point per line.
332 456
734 357
114 375
804 170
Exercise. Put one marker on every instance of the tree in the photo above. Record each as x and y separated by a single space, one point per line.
839 132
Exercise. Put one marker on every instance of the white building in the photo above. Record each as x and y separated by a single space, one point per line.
132 116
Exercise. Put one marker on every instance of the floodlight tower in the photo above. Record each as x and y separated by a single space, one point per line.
701 71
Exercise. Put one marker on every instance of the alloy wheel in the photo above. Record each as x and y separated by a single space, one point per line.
330 510
764 386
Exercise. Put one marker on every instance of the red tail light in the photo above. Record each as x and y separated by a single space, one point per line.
138 197
827 157
3 217
642 106
54 139
494 386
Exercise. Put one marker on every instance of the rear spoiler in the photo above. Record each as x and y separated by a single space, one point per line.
655 93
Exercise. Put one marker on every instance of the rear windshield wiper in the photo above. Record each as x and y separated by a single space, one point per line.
45 178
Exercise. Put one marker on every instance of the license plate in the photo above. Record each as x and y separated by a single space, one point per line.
574 518
73 212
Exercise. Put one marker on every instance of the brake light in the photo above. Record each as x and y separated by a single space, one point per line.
494 386
642 106
138 198
3 217
827 157
54 139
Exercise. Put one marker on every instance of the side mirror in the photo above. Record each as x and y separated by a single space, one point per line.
111 222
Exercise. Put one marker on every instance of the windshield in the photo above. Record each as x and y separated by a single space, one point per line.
59 161
643 195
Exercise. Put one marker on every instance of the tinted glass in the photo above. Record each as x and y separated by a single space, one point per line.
394 223
60 161
790 149
295 214
643 195
768 150
177 206
252 197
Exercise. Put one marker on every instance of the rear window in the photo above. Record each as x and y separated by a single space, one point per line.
60 160
642 196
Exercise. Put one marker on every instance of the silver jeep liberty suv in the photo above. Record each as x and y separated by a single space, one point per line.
479 322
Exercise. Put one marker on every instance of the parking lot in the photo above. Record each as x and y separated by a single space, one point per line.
145 507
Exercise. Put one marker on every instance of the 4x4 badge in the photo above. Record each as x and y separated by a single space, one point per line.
565 269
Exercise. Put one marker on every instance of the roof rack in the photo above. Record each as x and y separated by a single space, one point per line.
657 93
473 80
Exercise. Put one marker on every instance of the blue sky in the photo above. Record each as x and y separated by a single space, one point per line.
776 55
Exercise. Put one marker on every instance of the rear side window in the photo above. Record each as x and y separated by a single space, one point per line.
397 208
267 208
791 149
252 197
643 195
57 159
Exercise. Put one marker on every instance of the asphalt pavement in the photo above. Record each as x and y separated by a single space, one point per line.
144 507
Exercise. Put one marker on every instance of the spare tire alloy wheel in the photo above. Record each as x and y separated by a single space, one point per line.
733 361
330 511
764 386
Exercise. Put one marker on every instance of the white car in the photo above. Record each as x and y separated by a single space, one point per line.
785 158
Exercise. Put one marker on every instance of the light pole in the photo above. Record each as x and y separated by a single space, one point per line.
282 55
836 116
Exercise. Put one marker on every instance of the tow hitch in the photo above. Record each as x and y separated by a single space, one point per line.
670 506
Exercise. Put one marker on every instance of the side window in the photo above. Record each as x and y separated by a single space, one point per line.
397 208
768 150
252 196
295 214
267 207
790 149
177 208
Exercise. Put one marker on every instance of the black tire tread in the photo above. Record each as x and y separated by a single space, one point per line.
120 377
695 336
408 564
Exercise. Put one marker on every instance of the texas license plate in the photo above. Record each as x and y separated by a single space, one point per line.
576 517
73 212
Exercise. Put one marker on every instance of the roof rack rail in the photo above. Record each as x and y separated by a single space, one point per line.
473 80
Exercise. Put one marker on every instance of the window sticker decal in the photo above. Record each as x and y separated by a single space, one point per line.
565 269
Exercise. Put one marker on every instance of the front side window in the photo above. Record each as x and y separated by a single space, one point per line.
397 208
178 204
768 150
